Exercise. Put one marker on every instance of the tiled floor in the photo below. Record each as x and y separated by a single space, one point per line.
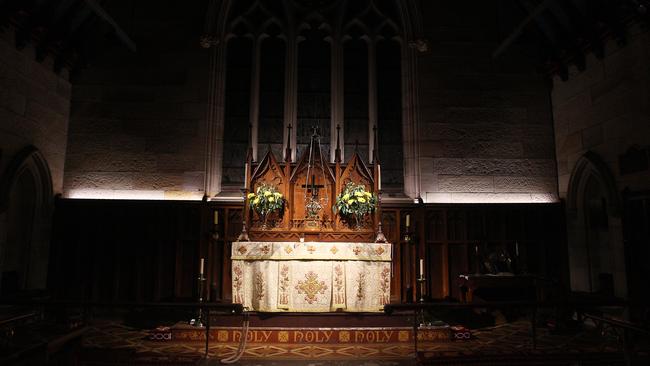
506 339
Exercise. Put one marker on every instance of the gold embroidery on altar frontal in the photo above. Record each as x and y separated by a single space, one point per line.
259 286
283 301
362 284
311 287
385 286
237 283
318 257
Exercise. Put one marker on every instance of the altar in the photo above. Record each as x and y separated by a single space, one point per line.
311 238
311 277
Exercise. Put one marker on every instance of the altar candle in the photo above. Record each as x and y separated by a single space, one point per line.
517 248
421 267
201 266
216 217
246 175
379 178
408 220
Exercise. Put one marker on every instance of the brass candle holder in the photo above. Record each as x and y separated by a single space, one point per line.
243 236
421 282
380 238
198 321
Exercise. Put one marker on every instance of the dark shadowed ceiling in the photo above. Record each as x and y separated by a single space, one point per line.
562 31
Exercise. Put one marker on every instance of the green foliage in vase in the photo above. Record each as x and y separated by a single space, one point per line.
355 201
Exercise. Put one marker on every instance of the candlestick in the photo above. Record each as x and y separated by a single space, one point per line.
421 281
216 217
421 267
246 175
379 177
200 281
408 220
517 248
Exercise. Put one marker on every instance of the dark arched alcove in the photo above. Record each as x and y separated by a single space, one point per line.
25 208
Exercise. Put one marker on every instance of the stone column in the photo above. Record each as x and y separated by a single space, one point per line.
291 93
337 97
215 120
254 108
410 122
372 96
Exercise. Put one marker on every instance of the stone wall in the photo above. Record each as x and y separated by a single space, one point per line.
34 111
486 132
605 109
600 114
137 118
34 107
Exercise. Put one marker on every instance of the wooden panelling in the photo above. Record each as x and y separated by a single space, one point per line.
149 251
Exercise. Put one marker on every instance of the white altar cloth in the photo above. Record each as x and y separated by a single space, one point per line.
311 277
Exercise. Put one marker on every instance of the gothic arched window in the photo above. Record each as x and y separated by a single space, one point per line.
309 63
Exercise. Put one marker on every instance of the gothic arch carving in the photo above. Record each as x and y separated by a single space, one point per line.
590 165
31 160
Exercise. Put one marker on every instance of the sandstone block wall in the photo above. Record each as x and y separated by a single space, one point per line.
34 111
486 130
34 107
485 134
605 109
137 119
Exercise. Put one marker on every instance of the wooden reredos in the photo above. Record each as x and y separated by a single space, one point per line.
325 181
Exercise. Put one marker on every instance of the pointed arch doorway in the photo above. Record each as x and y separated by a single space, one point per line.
594 228
25 221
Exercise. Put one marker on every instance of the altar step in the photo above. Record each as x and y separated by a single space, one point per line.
316 320
307 342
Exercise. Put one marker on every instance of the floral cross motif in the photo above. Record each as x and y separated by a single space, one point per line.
311 287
